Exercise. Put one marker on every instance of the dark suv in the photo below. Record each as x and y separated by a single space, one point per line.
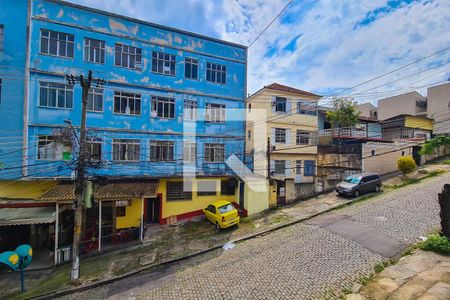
357 184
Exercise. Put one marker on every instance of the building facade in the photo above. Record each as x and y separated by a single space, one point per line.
368 111
289 121
438 107
411 103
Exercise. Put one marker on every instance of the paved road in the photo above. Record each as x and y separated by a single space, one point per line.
305 261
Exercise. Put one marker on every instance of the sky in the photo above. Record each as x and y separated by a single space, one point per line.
322 46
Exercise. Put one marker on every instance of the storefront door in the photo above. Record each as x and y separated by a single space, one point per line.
152 210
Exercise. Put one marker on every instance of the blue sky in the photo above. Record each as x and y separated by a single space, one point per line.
320 46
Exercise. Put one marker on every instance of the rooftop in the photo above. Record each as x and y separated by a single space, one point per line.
288 89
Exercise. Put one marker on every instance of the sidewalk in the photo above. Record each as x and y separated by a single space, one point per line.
166 243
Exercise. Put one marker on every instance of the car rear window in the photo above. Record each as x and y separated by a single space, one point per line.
226 208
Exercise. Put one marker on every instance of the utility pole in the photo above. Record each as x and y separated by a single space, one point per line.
268 158
80 181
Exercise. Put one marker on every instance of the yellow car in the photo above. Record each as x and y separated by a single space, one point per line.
222 214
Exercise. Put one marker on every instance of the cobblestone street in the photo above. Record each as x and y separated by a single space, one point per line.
299 262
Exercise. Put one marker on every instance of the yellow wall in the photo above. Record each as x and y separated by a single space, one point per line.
132 217
422 123
173 208
24 189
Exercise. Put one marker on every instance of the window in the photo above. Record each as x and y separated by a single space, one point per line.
280 104
163 63
128 57
191 68
56 95
298 167
280 135
95 100
94 51
161 150
211 208
190 110
126 149
189 151
249 134
57 43
214 153
163 107
303 137
94 150
127 103
50 148
227 187
2 38
309 168
280 166
176 191
215 113
307 108
249 107
121 211
206 188
216 73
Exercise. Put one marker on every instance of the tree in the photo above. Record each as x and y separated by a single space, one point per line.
345 113
406 164
434 143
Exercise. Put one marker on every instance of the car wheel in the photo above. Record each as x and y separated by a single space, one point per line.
356 193
217 227
377 189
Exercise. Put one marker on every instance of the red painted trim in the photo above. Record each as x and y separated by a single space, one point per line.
18 205
188 215
160 197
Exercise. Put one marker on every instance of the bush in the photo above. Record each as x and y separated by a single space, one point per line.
436 243
406 164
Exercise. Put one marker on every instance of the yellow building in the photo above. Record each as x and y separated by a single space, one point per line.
286 119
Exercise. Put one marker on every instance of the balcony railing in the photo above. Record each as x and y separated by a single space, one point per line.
350 132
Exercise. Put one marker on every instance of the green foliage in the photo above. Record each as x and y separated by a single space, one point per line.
406 164
436 243
345 113
432 144
445 162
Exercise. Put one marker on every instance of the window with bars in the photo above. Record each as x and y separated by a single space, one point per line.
191 68
162 150
163 107
126 149
298 167
307 108
206 188
57 95
163 63
309 168
52 148
280 104
280 166
189 151
57 43
127 103
94 150
94 51
95 100
227 188
216 73
214 153
303 137
215 113
280 135
190 110
176 191
2 37
128 57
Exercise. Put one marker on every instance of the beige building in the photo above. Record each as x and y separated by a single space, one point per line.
412 103
286 118
368 110
438 107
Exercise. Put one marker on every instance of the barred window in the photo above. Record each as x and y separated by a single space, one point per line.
176 191
280 135
298 167
189 151
51 148
95 100
128 57
94 51
162 150
309 168
94 150
227 187
214 153
280 104
280 166
216 73
126 149
303 137
215 113
163 63
57 43
57 95
127 103
191 68
163 107
190 110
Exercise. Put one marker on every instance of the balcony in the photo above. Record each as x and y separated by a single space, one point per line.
355 132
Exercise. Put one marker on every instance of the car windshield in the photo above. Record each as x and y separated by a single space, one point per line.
353 179
226 208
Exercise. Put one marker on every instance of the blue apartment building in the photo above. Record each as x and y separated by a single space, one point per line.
163 100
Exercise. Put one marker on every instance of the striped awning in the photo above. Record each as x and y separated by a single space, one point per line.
27 215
